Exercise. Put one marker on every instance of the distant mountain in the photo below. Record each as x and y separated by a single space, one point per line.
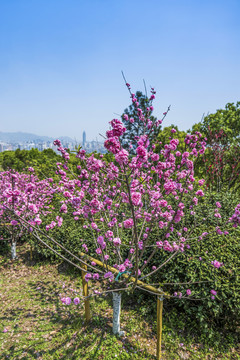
22 137
67 139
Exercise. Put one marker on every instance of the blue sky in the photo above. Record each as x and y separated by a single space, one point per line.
61 61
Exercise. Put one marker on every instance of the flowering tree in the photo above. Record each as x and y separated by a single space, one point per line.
136 206
141 209
24 199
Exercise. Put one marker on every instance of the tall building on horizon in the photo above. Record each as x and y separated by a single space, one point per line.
84 138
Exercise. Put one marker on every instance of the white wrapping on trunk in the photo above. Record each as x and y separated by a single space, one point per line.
116 312
13 251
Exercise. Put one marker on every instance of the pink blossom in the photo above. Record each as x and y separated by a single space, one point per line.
57 142
88 276
201 182
136 198
109 234
142 153
112 144
100 240
163 203
94 226
118 128
98 251
37 220
185 154
14 222
109 133
109 275
116 241
68 301
95 276
76 301
200 193
155 157
122 157
216 264
128 223
85 247
59 220
195 201
122 268
170 186
63 208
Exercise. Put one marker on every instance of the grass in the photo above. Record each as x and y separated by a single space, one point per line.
39 326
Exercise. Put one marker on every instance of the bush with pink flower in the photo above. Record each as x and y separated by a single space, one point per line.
144 199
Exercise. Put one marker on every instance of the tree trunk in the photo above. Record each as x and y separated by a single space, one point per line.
116 313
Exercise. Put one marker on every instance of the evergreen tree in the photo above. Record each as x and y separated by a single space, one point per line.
135 127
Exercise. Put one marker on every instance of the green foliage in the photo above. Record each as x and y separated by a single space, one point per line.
224 310
70 235
220 165
227 119
108 157
4 240
44 162
194 265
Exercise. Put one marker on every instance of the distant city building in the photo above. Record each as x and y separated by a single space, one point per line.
84 139
89 146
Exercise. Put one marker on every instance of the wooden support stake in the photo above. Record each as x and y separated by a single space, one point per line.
159 327
85 293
